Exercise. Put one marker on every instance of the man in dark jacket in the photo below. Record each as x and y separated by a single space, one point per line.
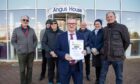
86 33
68 66
49 44
44 60
116 41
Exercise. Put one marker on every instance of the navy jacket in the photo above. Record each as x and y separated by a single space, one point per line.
86 34
96 41
62 48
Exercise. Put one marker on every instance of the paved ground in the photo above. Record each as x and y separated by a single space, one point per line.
9 73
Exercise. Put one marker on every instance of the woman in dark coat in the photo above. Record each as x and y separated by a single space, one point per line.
96 43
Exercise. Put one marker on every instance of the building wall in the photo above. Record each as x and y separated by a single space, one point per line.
127 12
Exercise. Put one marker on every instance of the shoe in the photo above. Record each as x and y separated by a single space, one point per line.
88 77
41 78
96 82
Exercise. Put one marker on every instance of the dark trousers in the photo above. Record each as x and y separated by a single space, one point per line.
97 72
77 76
25 66
87 64
118 68
52 63
44 63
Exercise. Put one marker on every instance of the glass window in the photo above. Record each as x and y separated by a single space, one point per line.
135 47
87 4
102 15
131 20
108 4
14 17
131 5
41 20
3 35
90 17
21 4
2 4
53 3
42 4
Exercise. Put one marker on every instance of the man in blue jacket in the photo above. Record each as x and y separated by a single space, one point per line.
67 65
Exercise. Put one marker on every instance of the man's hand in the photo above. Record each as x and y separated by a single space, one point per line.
84 52
94 51
68 57
52 53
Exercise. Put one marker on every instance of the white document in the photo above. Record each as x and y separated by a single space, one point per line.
76 48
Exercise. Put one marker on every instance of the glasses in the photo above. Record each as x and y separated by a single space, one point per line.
71 23
25 20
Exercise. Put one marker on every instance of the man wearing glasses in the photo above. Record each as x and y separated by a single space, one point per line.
24 41
49 44
68 67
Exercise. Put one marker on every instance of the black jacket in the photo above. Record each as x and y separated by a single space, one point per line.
116 41
49 40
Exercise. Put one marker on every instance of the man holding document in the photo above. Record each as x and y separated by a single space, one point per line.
70 51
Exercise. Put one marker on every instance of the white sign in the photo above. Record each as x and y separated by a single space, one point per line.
66 9
76 48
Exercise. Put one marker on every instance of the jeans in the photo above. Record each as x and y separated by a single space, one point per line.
118 68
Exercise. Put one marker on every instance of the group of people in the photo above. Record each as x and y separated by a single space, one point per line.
106 45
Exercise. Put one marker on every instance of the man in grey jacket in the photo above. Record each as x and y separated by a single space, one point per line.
24 41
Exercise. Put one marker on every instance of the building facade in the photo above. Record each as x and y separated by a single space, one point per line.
127 12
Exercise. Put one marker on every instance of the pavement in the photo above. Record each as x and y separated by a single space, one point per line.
9 73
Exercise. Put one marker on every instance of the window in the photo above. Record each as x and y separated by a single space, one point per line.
3 4
42 4
41 20
131 20
90 17
131 5
53 3
108 4
3 35
86 4
21 4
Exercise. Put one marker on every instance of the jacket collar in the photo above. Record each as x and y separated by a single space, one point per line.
98 29
111 25
54 31
83 30
28 27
